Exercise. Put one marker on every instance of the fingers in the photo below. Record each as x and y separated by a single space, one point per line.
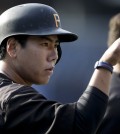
112 54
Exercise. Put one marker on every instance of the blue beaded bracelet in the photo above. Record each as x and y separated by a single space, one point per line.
106 65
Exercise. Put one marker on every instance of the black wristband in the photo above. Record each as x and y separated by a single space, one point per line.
106 65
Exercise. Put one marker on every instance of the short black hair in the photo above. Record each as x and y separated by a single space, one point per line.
20 38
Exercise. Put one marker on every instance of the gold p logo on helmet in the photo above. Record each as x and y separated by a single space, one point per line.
57 20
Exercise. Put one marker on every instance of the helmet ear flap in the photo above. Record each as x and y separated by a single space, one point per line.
59 53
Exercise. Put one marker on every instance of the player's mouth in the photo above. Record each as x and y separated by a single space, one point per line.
50 70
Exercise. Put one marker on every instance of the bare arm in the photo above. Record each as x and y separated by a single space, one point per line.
101 80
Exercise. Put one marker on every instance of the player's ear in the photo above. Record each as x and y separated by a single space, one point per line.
11 47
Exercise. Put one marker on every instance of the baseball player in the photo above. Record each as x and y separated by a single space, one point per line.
30 37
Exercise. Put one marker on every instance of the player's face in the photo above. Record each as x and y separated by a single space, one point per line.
36 62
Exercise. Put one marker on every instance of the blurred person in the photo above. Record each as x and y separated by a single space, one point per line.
111 120
30 37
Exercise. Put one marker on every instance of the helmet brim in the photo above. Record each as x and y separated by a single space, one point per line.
63 35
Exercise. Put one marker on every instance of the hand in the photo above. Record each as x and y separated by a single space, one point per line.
112 54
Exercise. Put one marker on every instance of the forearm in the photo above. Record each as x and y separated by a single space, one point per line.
101 79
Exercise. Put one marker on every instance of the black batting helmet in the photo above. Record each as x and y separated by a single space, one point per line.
33 19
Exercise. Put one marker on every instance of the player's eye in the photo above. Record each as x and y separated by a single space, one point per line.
58 43
55 45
